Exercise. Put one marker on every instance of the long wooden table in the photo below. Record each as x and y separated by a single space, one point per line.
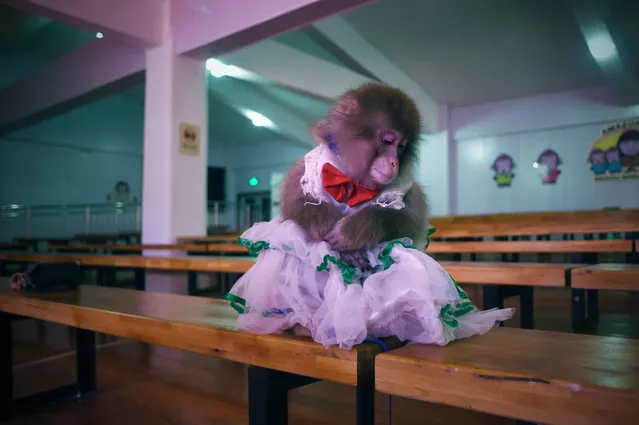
222 248
537 223
492 275
200 325
520 247
623 277
538 376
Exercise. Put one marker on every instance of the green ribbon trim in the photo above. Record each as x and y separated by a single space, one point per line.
237 303
348 271
254 248
385 256
430 232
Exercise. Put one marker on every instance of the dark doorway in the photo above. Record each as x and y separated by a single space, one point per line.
253 207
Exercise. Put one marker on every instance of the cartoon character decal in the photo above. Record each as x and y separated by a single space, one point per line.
615 154
548 163
598 163
503 167
613 159
628 145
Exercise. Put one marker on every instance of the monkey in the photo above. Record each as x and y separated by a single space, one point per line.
373 132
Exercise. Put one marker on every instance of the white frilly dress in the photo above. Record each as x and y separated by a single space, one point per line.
297 281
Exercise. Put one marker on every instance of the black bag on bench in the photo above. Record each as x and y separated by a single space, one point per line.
48 277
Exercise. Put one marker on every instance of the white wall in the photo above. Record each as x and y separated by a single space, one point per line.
76 157
567 122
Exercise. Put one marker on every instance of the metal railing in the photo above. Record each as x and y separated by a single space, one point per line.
65 221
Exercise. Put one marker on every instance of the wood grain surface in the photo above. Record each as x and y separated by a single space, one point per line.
624 277
539 223
540 376
619 245
196 324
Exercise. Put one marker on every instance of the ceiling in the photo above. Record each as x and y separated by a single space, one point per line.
460 52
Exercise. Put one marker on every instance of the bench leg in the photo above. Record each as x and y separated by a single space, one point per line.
268 394
527 302
578 309
86 376
593 305
492 297
140 279
365 403
191 283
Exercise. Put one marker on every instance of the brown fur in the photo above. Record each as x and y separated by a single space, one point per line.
317 220
355 124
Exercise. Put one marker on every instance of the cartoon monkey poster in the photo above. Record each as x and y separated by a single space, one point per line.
615 154
503 167
548 164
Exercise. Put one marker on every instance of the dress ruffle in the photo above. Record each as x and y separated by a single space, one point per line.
407 294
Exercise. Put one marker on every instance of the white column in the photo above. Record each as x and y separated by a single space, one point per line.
174 176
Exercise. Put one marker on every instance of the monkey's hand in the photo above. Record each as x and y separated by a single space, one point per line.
353 233
320 219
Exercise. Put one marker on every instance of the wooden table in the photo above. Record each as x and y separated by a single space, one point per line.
196 324
622 277
544 377
494 276
521 247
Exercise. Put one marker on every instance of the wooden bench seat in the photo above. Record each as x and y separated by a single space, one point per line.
231 238
89 247
544 377
494 276
196 324
520 247
622 277
115 248
537 223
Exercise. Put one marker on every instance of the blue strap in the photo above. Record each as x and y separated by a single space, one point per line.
378 342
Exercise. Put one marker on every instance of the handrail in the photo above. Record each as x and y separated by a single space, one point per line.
65 220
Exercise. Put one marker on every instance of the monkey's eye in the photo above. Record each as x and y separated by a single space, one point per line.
388 138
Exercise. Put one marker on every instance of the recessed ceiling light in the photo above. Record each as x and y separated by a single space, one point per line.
99 35
258 119
601 46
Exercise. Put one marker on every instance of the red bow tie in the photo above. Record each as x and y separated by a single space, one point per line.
344 189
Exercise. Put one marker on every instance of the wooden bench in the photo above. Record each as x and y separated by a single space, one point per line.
537 223
495 277
620 277
231 238
587 280
222 248
533 247
544 377
200 325
107 264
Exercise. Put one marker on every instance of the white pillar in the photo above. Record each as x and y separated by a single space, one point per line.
174 176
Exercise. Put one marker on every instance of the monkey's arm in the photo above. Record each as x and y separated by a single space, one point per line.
376 224
317 220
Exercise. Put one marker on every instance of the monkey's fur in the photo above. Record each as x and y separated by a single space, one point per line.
359 123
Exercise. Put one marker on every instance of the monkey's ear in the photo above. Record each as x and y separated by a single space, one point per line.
347 105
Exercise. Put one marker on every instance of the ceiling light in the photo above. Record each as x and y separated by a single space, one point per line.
258 119
218 69
601 46
99 35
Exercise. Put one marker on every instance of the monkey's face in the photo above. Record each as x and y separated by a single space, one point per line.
373 130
